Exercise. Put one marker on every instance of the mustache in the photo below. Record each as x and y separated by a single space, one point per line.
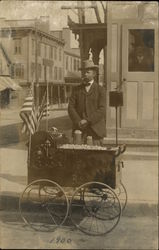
85 80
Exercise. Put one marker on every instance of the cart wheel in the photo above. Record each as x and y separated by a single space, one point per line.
43 205
122 195
98 212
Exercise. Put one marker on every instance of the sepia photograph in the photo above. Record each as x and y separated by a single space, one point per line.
79 124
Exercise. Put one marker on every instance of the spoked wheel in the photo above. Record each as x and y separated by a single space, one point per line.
98 211
122 195
43 205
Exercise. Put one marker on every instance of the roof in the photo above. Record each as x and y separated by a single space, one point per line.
8 83
5 54
48 35
72 52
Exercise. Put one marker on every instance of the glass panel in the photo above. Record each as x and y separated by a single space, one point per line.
141 50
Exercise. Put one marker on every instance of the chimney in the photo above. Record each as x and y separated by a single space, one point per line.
57 33
66 33
44 23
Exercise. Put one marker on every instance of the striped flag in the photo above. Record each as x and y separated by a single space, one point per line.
27 114
44 108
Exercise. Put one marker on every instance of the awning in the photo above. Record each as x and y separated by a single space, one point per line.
8 83
73 77
70 80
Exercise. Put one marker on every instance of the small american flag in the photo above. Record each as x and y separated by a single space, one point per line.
44 108
28 115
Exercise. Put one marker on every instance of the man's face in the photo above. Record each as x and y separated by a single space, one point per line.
140 58
89 74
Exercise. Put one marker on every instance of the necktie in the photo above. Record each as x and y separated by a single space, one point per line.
87 84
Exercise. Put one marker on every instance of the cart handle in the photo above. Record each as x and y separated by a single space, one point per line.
118 152
123 148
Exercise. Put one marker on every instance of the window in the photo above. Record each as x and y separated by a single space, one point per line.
33 47
32 69
45 50
70 63
51 52
55 54
39 70
66 62
60 73
141 50
42 49
74 64
19 71
17 46
77 64
50 72
59 54
55 73
39 49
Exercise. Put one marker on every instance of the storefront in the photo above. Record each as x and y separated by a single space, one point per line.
7 85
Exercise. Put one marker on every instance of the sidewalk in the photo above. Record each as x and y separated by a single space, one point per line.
11 124
139 177
10 116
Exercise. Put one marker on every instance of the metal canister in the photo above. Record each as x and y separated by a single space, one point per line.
89 140
78 137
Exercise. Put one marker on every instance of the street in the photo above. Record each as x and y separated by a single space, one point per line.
135 232
10 130
137 228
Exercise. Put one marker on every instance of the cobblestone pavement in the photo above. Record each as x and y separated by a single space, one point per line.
131 233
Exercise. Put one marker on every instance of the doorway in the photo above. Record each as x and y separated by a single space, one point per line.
139 76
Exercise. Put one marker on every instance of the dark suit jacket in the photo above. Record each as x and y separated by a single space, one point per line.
90 105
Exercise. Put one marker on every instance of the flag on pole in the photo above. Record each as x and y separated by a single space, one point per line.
44 108
27 114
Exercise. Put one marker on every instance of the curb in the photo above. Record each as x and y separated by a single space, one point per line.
148 156
10 203
11 133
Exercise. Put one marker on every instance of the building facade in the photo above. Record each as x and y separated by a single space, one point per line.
129 37
35 54
133 53
39 56
72 61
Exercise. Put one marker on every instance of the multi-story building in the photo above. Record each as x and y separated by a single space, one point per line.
40 56
35 54
72 60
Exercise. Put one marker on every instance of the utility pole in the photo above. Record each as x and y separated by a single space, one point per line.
81 17
36 67
81 10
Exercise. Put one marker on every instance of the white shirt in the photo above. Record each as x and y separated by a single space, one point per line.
88 87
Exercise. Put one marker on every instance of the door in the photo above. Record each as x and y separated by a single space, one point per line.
139 76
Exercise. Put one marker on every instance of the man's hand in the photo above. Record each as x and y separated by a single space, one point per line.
83 124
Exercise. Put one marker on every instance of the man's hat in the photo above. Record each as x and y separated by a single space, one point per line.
88 64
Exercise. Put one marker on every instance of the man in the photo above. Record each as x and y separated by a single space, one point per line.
141 59
87 106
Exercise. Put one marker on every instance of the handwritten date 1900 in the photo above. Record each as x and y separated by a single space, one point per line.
60 239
